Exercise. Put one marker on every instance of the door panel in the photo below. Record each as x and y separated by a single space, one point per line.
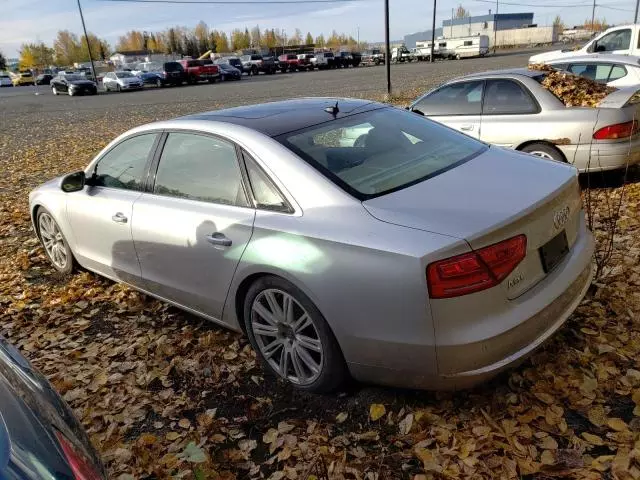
509 113
101 222
181 259
469 124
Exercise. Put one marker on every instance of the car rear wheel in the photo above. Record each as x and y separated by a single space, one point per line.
158 83
55 245
544 150
291 336
69 92
54 91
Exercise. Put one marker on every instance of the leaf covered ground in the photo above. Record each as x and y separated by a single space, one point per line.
166 395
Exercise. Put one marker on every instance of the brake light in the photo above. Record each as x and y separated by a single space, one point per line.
475 271
80 466
619 130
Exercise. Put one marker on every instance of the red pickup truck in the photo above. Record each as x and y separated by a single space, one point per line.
199 70
293 62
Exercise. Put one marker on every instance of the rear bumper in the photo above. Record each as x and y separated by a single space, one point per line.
602 156
539 313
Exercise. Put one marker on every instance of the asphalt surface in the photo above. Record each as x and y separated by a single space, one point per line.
358 82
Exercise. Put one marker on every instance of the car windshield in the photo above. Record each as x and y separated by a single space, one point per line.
172 67
73 78
124 75
380 151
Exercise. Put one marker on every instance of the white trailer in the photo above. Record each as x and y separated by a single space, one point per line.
466 47
423 50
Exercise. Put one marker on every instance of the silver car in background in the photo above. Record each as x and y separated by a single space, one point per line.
413 256
511 109
120 81
614 70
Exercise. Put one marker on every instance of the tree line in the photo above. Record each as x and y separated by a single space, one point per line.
69 48
196 41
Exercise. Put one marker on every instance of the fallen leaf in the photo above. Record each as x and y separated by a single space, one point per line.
376 411
617 424
341 417
193 453
592 439
184 423
405 424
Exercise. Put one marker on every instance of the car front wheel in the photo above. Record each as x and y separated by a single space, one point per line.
55 245
291 336
54 91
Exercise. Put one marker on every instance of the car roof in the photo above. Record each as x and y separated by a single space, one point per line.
600 58
277 118
524 72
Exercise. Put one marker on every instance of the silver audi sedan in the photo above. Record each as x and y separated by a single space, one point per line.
411 255
511 109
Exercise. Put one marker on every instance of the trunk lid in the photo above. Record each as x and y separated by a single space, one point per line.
493 197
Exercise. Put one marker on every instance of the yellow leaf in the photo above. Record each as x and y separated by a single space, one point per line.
617 424
548 443
184 423
597 416
588 331
481 431
545 397
171 436
284 454
592 439
376 411
636 396
602 463
547 457
98 381
341 417
270 436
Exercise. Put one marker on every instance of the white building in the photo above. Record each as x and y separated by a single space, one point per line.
485 24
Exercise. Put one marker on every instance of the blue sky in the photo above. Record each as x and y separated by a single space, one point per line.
30 20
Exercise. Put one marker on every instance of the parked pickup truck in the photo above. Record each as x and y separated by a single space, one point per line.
290 62
620 40
200 70
375 57
254 63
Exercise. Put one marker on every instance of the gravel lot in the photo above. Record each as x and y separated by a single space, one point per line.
362 81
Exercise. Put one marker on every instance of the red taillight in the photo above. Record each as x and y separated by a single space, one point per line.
619 130
80 466
475 271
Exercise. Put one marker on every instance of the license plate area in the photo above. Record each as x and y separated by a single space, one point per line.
552 252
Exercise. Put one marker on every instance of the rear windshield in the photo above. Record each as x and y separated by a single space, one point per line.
172 67
380 151
124 74
256 57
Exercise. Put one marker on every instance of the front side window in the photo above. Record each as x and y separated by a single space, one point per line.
124 166
507 97
618 40
200 167
462 98
375 152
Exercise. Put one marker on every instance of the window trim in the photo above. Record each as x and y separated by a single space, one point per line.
524 88
90 171
484 87
614 65
155 162
248 158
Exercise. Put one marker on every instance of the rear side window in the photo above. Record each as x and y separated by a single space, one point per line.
617 72
199 167
504 97
462 98
172 67
264 191
468 43
124 166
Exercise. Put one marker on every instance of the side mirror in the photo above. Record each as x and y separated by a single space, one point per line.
74 182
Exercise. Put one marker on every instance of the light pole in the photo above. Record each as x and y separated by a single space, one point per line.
433 31
635 17
86 37
593 15
387 49
495 29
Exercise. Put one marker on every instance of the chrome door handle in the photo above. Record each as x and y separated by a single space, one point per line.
466 128
219 239
119 218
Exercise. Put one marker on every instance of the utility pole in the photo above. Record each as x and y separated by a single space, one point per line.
86 37
451 29
495 28
433 31
387 47
358 30
635 17
593 15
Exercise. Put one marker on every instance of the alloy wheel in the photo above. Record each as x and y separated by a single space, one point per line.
542 155
286 336
54 91
53 241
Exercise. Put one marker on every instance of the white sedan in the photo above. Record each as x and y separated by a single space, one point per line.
120 81
614 70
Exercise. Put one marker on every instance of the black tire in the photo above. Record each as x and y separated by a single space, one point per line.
376 61
158 83
118 89
254 70
333 371
544 150
71 262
